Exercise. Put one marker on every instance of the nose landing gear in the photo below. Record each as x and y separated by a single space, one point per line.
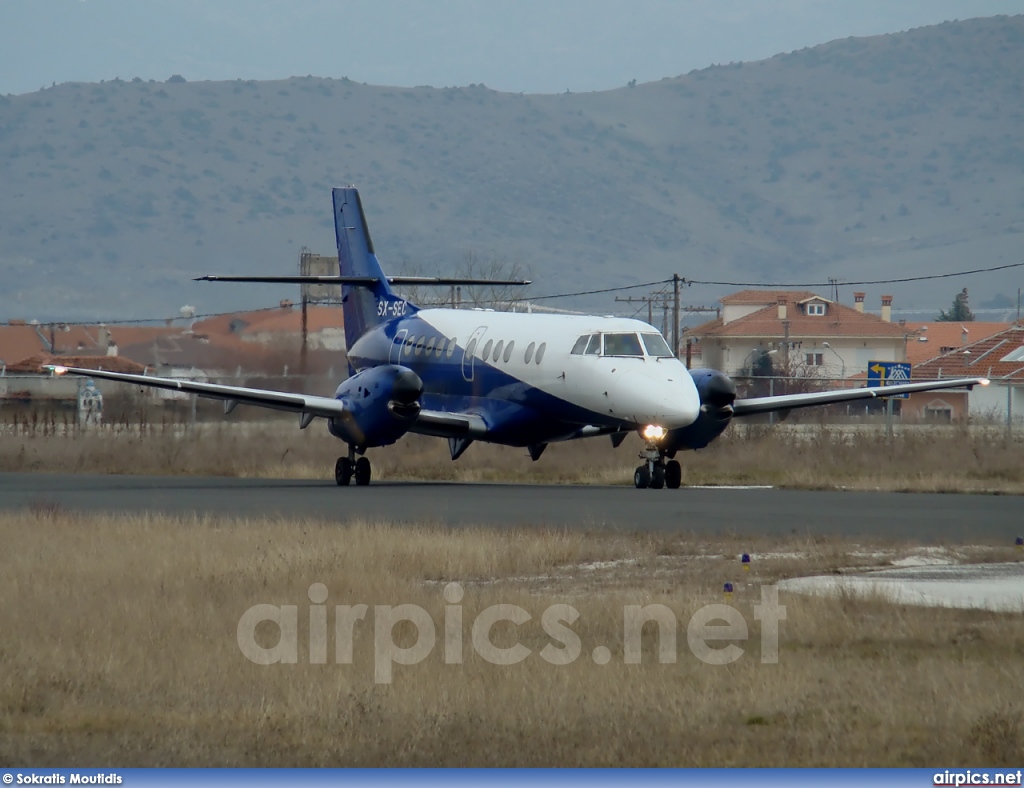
655 472
347 467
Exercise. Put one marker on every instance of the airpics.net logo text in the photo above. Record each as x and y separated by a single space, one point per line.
706 630
974 777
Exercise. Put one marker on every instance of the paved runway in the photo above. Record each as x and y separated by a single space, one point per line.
922 517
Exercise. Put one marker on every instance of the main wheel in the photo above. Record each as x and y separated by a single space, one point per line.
641 477
343 471
673 475
362 472
658 477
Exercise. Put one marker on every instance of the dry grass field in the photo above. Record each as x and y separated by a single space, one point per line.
118 646
925 459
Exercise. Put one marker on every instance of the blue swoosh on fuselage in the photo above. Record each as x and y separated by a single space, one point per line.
515 412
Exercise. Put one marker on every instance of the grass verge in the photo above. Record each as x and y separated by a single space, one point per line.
118 646
929 459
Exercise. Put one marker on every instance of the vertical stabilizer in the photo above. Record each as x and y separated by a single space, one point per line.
365 306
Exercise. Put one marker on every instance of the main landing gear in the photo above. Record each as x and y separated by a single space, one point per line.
655 473
347 467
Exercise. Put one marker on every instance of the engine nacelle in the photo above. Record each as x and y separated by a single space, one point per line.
717 393
381 404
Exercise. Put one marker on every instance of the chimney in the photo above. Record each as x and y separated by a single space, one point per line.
782 307
887 309
104 340
858 302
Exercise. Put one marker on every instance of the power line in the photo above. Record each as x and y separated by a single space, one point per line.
603 290
832 282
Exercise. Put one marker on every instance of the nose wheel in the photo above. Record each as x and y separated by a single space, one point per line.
655 472
347 468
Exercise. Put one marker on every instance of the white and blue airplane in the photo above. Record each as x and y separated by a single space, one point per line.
516 379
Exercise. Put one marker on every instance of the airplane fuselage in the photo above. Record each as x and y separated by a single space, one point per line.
527 376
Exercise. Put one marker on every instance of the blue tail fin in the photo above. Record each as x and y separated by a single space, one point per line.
364 306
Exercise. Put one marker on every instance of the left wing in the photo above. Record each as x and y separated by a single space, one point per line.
750 407
240 395
427 422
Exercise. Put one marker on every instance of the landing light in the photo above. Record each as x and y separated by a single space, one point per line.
985 381
58 370
653 432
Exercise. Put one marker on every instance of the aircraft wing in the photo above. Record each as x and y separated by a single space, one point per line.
264 398
428 422
750 407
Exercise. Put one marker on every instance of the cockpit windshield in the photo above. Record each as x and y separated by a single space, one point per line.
656 346
621 344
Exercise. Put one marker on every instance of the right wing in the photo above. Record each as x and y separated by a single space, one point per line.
749 407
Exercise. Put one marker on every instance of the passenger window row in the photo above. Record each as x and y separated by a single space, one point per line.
504 351
437 345
442 346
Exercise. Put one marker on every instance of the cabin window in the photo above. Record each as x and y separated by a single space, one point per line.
594 348
508 350
419 347
408 345
540 352
487 350
497 350
529 352
581 345
622 345
430 345
471 348
816 309
451 346
656 345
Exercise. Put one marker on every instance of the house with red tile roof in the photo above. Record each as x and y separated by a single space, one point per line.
325 328
937 337
998 357
261 340
803 331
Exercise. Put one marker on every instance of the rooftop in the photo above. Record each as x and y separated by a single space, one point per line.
838 320
983 358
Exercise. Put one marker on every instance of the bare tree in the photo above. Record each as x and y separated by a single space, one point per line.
472 266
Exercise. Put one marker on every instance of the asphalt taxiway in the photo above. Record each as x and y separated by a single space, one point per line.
935 518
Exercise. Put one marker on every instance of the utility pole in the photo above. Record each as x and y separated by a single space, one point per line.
305 332
649 300
675 315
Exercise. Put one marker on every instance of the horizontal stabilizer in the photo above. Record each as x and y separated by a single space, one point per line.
361 280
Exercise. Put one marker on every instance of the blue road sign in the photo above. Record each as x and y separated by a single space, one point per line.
888 373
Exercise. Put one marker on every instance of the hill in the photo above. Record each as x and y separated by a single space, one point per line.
891 155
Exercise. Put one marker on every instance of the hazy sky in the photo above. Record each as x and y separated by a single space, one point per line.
536 46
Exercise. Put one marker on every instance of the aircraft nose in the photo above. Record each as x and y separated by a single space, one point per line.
668 402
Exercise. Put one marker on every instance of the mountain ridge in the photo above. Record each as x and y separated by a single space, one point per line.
859 158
